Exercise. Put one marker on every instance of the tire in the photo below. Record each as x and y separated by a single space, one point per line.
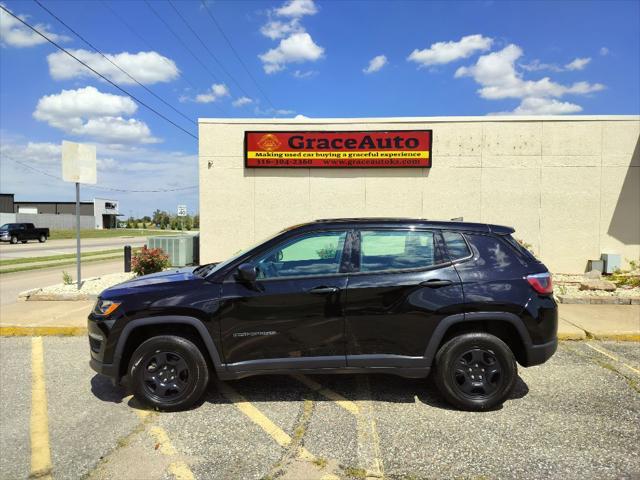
14 239
42 239
475 371
154 365
23 241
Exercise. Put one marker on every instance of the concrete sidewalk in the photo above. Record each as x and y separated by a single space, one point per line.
577 322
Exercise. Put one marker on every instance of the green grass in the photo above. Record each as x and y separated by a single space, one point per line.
107 233
26 267
52 258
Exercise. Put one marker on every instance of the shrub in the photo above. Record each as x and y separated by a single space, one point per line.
629 277
148 261
66 278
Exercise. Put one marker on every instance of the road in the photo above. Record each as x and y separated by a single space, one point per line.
13 283
57 247
575 417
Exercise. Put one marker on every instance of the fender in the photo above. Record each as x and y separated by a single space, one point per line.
165 319
445 323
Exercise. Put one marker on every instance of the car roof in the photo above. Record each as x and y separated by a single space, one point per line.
405 221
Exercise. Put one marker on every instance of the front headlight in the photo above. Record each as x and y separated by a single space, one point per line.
105 308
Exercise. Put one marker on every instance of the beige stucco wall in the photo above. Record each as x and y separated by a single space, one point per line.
569 185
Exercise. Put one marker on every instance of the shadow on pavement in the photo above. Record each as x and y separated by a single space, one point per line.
283 388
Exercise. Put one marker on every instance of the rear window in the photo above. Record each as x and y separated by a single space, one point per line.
456 245
383 250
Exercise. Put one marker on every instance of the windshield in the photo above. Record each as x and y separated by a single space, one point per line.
6 226
214 267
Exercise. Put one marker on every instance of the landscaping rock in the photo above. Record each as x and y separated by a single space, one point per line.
605 285
593 275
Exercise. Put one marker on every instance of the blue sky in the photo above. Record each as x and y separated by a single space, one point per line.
317 59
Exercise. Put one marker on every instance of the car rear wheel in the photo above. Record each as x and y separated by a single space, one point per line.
475 371
42 238
168 373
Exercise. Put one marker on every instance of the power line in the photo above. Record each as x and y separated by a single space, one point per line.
97 73
224 35
112 189
213 75
207 48
114 64
135 33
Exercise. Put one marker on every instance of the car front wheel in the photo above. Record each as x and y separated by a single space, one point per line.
14 239
475 371
168 373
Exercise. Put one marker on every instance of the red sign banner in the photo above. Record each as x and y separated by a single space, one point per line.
344 149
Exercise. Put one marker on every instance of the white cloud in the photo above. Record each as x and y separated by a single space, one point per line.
241 102
543 106
297 8
604 51
273 111
146 67
578 64
275 29
446 52
302 74
297 48
92 113
536 66
375 64
15 34
217 91
497 75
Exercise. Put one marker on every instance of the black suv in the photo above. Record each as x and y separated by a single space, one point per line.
399 296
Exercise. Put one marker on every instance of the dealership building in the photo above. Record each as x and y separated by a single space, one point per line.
569 185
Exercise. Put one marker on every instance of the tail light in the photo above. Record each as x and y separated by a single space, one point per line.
541 282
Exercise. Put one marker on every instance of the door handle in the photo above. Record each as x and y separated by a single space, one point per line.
323 290
436 283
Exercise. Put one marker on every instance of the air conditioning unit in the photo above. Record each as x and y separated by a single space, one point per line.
178 247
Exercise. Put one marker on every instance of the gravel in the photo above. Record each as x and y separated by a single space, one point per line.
91 288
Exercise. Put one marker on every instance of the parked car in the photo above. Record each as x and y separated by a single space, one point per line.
22 232
463 301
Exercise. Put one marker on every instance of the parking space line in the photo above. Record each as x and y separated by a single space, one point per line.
606 353
39 422
369 453
260 419
179 469
341 401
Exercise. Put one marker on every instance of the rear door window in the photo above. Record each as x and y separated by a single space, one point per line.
387 250
456 245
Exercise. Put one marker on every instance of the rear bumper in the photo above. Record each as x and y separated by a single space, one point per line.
538 354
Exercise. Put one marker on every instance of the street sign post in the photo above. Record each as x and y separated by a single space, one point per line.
182 212
78 166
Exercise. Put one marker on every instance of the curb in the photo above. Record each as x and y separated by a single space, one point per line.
596 300
53 331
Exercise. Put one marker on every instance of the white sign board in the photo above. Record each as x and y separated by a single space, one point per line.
78 163
182 210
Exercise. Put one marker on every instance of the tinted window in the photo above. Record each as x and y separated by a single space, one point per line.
456 246
311 255
382 250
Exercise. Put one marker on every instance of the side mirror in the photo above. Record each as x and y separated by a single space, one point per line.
247 273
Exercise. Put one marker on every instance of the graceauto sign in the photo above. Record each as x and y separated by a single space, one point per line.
344 149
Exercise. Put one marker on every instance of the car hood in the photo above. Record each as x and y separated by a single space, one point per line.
160 279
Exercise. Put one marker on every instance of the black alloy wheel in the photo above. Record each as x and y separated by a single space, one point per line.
475 371
168 373
166 376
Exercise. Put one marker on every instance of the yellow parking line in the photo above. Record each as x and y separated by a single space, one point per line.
260 419
369 452
39 426
341 401
613 357
179 469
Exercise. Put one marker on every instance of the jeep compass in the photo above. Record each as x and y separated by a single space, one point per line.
461 301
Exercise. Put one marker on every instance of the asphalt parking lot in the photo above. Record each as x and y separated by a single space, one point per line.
578 416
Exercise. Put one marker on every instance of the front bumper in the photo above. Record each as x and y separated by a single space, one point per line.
98 331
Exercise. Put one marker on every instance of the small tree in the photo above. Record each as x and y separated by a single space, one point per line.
148 261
